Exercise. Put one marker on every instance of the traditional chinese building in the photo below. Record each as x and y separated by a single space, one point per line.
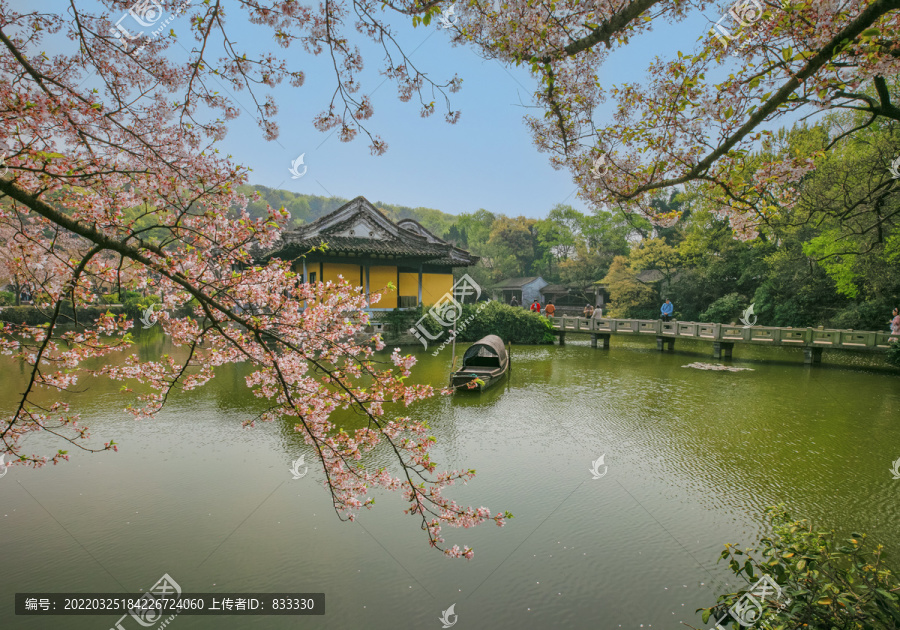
525 290
571 298
369 251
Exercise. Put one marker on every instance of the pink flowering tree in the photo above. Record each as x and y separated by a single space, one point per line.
112 180
700 116
110 174
696 120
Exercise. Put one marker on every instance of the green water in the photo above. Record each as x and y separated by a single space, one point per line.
693 459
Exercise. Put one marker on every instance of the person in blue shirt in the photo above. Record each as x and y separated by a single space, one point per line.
667 309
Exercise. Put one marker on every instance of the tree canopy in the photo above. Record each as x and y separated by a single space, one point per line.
111 177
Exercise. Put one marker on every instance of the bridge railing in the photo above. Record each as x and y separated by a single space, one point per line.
762 335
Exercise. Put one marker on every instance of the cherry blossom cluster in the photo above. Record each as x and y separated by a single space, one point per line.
114 184
695 118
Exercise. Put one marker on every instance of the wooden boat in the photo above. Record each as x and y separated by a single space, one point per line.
486 362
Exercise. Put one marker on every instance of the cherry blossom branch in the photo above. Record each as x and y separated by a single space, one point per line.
866 18
33 377
601 34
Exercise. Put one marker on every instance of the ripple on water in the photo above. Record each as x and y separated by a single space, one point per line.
691 457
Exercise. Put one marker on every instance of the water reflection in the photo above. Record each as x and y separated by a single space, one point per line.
693 457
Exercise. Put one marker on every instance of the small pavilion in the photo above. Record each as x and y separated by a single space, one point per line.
369 250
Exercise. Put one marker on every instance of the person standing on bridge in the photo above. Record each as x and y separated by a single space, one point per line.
549 309
895 322
535 306
588 311
666 311
514 301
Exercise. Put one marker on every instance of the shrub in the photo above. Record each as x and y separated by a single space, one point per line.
827 583
652 312
115 298
510 323
725 310
34 316
7 298
136 304
872 315
23 315
893 353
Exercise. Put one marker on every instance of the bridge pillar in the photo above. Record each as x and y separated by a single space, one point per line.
562 337
593 340
720 346
665 341
604 340
812 355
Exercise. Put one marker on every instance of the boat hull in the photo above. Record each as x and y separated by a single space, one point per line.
484 364
460 380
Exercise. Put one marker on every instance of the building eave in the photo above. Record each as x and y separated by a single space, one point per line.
377 236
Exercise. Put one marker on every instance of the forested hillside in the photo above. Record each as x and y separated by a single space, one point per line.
308 208
827 254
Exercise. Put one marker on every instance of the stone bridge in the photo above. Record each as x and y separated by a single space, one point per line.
724 336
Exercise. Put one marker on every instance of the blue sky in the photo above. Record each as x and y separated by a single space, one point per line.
486 160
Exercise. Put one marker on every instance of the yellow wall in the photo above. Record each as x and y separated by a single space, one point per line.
331 271
434 285
409 284
378 279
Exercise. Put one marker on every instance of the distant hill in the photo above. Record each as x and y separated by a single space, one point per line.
308 208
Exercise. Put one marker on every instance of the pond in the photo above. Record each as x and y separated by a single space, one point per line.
692 458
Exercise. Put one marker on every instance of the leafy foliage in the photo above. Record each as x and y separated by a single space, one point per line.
893 353
36 316
115 298
135 305
871 315
510 323
307 208
656 254
629 296
831 583
724 310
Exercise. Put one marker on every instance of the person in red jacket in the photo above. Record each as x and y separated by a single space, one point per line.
536 306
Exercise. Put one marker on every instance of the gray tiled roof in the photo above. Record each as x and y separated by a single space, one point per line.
360 228
515 283
347 244
555 288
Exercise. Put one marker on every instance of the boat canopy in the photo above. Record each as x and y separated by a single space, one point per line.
487 352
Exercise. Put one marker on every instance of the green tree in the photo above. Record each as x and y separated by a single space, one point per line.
299 209
655 254
474 230
513 243
675 203
585 266
629 297
725 310
557 235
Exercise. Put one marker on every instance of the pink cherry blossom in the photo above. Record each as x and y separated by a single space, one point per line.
121 189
